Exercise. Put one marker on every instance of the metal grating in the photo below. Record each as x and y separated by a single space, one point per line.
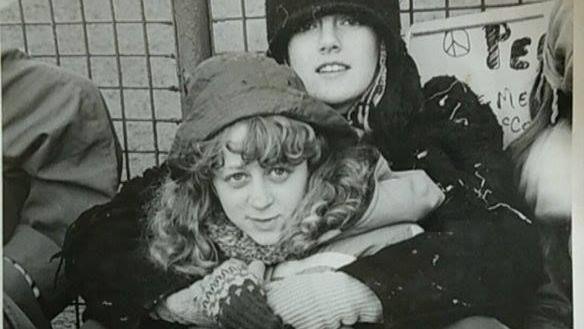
127 47
239 25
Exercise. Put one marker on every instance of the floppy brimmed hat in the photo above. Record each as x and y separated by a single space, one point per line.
228 88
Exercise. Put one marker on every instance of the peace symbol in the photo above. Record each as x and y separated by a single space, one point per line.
456 43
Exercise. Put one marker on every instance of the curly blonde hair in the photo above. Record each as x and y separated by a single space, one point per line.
337 190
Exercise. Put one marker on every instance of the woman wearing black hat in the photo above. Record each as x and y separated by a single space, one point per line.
479 254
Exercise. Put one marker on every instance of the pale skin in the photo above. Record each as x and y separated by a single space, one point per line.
258 200
336 58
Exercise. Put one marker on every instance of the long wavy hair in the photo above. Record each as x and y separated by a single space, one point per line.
336 194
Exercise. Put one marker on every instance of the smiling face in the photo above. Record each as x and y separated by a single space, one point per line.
259 200
336 58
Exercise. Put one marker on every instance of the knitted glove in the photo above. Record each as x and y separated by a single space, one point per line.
325 300
230 296
235 299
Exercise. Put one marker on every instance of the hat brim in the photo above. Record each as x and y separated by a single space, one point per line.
265 102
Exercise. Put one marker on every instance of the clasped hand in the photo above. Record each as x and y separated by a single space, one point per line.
315 300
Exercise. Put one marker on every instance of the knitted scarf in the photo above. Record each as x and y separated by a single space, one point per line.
358 115
234 243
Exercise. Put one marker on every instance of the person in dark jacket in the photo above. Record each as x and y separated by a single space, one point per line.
173 247
349 53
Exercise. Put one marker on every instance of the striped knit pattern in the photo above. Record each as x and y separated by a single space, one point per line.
326 300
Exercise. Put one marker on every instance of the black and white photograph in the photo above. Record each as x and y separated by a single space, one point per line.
290 164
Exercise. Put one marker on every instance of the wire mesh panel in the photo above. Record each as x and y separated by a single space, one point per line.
127 47
239 25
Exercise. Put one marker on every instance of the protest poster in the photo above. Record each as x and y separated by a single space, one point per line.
496 53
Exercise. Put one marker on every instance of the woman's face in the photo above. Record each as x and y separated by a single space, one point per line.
259 201
336 58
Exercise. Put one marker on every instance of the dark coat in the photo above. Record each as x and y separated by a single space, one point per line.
479 254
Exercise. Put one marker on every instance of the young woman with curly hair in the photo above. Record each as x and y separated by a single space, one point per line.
259 174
